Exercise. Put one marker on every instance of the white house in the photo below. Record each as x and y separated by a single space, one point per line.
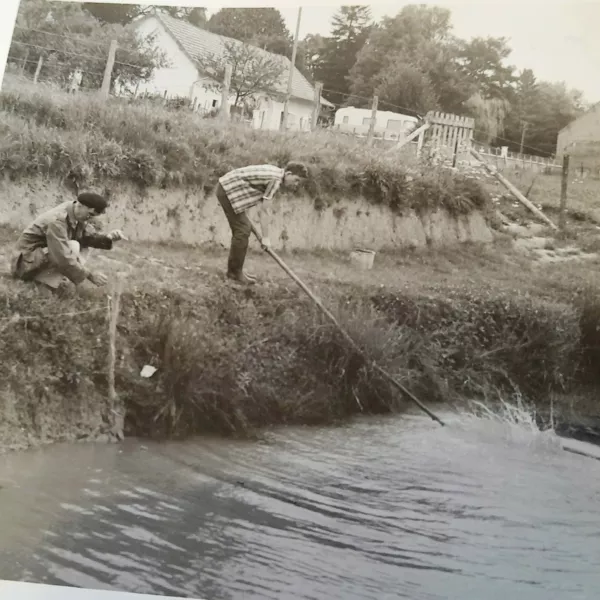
390 125
184 44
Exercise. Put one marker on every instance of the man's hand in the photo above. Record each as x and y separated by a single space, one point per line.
116 235
265 243
98 279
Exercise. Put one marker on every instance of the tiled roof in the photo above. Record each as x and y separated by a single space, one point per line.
198 43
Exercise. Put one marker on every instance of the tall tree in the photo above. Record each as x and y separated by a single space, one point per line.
419 37
333 60
482 62
405 86
490 116
262 27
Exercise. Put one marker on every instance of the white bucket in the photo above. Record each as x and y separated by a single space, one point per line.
362 258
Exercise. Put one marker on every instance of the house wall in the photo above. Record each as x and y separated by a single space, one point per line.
178 78
585 133
356 120
268 114
181 79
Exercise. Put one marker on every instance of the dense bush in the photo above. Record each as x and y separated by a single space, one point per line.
44 131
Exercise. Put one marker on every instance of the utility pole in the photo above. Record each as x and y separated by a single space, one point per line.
525 125
291 77
373 120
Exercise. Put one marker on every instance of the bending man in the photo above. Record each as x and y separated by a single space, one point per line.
50 248
244 188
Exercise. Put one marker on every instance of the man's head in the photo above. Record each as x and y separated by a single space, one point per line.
89 205
295 173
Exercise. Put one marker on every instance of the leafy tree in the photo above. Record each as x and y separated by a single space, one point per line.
69 38
253 71
114 13
418 37
262 27
481 61
123 14
490 115
333 57
404 85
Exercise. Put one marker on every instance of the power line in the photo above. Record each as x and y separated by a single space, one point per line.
60 51
73 38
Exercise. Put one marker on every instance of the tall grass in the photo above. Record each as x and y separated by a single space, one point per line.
89 140
231 363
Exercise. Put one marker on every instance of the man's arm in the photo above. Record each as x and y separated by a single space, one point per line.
264 210
96 240
61 255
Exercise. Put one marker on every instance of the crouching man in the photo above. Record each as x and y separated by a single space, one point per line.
53 246
244 188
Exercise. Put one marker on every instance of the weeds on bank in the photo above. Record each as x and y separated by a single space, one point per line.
233 362
83 138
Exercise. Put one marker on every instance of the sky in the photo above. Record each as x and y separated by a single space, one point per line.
558 41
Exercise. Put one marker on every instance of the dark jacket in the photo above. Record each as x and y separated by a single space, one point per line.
45 243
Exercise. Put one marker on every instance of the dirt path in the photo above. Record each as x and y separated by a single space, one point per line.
520 264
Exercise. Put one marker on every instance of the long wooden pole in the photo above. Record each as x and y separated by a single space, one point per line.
224 109
507 184
350 341
411 136
108 69
563 195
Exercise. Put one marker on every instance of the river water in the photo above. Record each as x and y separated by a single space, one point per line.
378 509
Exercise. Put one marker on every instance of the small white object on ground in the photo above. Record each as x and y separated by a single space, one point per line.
363 258
148 371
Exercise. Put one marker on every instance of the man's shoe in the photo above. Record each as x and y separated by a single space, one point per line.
242 278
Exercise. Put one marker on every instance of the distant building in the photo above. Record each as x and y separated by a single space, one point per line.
581 137
391 125
184 44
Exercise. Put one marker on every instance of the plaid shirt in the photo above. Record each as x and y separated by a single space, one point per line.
247 186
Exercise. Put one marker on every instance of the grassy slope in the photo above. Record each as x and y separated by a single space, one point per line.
86 139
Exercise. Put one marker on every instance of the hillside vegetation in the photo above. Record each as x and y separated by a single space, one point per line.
88 140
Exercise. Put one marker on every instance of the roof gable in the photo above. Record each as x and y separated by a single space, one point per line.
198 43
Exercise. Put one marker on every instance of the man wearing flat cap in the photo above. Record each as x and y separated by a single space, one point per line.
50 248
243 188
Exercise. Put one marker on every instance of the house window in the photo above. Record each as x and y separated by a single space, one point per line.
395 125
301 122
214 103
345 120
366 121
